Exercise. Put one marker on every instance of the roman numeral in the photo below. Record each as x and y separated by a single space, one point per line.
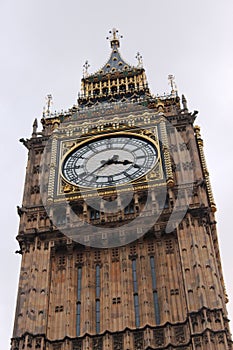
126 143
70 168
83 174
92 148
110 179
127 175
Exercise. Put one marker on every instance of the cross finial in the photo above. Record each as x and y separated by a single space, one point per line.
49 102
171 79
85 69
139 58
114 39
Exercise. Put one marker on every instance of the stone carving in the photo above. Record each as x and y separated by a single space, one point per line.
118 342
56 346
169 246
173 148
221 338
36 169
97 343
217 316
77 345
35 189
205 339
179 333
197 342
15 344
138 340
29 341
194 321
159 337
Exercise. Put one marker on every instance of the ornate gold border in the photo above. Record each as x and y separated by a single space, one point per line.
200 144
166 153
142 134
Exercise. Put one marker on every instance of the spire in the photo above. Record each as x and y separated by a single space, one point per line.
115 62
184 102
116 80
34 127
114 39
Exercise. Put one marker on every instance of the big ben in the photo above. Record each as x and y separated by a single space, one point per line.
117 225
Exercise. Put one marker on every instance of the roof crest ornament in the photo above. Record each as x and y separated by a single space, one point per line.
139 58
171 79
46 109
85 69
114 39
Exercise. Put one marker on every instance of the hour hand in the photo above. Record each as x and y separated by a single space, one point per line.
126 162
110 161
136 166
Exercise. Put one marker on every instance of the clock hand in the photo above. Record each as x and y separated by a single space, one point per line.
104 163
100 167
136 166
113 160
126 162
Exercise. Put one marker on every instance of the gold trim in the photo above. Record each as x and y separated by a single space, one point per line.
108 191
166 153
200 145
52 173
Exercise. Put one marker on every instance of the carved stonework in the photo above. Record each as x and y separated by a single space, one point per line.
97 344
217 316
77 345
15 344
35 189
169 246
138 340
29 341
118 342
179 334
197 342
220 338
57 346
194 321
38 342
212 338
205 339
159 337
61 262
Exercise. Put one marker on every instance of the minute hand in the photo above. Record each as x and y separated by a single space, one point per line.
100 167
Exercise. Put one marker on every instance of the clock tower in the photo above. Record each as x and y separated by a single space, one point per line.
117 225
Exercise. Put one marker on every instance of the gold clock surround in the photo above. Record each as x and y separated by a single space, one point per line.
92 139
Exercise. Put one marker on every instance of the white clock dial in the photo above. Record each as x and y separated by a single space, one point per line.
109 161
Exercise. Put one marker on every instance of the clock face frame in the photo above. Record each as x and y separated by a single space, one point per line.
109 160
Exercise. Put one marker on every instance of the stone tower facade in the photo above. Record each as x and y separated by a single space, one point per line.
105 270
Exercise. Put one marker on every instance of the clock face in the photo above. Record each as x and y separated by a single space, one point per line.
109 161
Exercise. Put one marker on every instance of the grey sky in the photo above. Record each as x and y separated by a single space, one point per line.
44 45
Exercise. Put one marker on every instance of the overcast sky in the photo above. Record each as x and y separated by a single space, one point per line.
44 46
